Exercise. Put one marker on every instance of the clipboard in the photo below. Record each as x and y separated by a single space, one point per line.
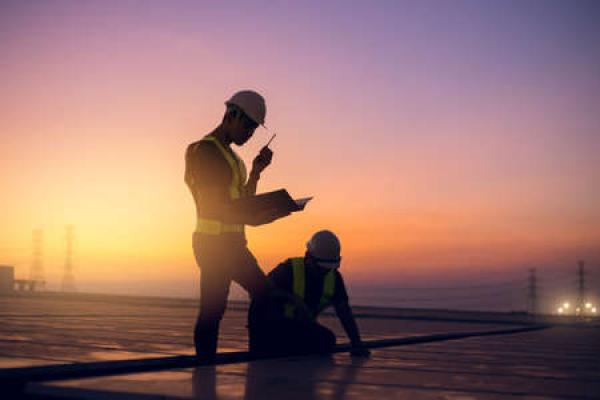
278 199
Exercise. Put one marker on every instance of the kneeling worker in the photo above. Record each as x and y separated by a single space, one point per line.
301 289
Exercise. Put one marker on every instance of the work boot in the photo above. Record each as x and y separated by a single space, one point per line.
205 341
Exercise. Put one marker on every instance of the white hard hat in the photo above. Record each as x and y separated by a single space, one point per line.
324 246
251 103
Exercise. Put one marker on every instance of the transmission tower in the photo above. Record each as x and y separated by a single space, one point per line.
36 272
532 292
579 308
68 283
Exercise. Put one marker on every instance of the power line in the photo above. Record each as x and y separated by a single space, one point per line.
532 292
36 272
68 283
580 286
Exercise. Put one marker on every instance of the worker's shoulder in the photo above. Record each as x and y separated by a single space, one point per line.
285 264
203 149
281 268
201 145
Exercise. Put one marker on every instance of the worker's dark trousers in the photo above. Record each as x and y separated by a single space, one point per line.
223 259
283 336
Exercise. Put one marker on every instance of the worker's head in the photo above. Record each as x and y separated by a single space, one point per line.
246 110
324 250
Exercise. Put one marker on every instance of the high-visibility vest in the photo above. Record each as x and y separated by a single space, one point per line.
236 190
299 284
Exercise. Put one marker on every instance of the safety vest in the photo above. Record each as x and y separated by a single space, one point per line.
236 190
299 284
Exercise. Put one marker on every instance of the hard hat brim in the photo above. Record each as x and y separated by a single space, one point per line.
329 265
230 103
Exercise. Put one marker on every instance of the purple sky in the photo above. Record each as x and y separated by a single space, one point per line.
435 135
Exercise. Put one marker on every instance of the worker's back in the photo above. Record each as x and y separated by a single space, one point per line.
205 167
282 279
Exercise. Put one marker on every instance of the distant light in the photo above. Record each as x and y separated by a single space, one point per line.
594 310
588 305
578 309
566 305
560 310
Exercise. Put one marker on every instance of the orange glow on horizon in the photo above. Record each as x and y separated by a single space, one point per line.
426 153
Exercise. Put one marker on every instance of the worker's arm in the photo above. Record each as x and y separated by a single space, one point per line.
217 205
344 313
302 313
260 162
252 183
208 175
281 282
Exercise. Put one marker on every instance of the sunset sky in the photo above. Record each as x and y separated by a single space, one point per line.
442 140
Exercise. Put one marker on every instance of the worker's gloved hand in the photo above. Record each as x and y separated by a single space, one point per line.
267 216
360 352
262 160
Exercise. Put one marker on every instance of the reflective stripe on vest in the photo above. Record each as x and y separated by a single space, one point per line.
299 285
236 190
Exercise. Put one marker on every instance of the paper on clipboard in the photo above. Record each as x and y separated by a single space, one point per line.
301 203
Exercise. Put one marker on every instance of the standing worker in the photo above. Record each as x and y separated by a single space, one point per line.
216 176
302 288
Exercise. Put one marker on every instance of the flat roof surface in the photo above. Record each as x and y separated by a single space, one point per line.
555 363
561 362
47 329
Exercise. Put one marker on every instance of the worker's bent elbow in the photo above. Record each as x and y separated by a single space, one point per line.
266 217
